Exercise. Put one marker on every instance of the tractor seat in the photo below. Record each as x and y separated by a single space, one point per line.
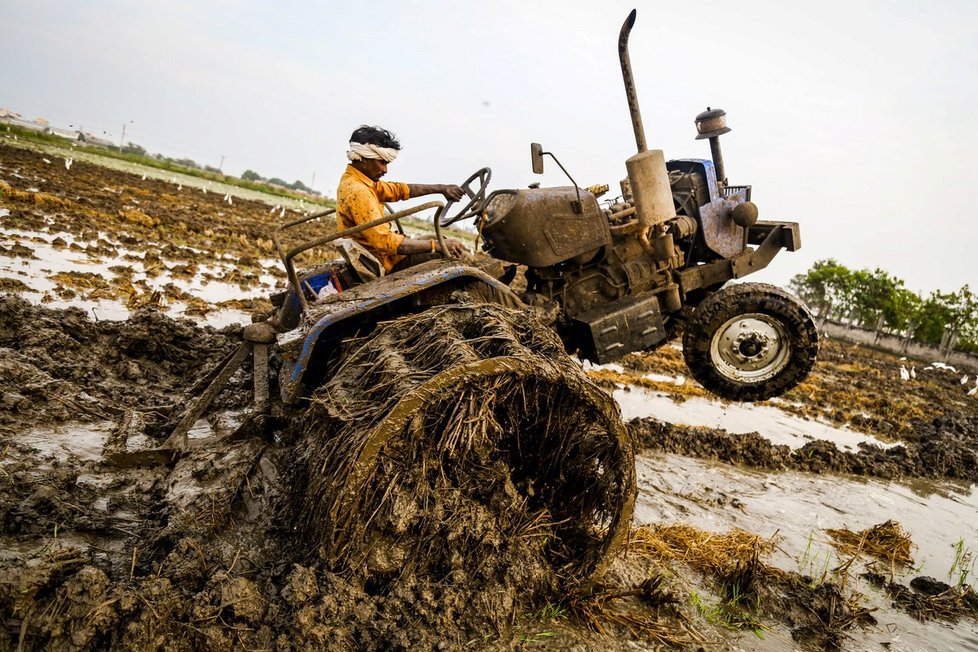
362 262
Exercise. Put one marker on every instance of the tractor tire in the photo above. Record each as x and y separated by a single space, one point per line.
750 342
462 445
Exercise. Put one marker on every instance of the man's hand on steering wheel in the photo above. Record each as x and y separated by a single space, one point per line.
452 193
475 195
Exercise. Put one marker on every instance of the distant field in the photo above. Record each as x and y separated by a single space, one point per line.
163 169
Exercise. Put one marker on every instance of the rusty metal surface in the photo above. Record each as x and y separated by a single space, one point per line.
538 227
720 233
178 439
760 257
711 123
631 324
626 75
702 276
771 236
790 234
259 375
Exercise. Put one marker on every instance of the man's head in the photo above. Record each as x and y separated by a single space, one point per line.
371 149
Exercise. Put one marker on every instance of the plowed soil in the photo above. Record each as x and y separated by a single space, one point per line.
205 552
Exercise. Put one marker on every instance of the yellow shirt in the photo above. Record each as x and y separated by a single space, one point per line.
360 200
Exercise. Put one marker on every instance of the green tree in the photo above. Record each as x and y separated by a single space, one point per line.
823 287
872 296
901 314
251 175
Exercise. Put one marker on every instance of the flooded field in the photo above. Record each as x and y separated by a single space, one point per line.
843 515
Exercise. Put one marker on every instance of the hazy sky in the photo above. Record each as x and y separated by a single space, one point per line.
856 119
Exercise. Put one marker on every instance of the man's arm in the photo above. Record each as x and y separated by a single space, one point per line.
455 247
409 246
451 192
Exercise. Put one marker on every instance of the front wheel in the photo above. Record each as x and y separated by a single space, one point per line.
750 342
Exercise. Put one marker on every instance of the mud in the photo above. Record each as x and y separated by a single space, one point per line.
222 549
938 435
58 365
161 218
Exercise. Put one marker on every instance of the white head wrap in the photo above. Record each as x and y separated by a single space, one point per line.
359 151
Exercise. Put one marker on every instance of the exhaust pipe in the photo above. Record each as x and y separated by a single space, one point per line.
626 75
647 169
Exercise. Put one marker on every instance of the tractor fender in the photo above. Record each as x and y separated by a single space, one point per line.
297 346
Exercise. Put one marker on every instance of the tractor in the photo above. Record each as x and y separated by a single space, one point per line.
393 367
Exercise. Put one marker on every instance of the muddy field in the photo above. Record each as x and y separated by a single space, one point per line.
857 534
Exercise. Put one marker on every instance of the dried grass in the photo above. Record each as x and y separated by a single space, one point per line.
726 557
886 541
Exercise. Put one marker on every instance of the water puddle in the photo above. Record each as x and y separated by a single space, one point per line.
83 441
738 418
797 507
50 259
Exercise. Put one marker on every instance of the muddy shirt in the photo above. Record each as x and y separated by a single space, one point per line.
360 200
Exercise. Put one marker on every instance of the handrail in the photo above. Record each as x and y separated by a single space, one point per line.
295 251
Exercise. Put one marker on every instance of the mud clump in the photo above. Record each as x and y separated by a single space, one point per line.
458 462
509 484
929 599
950 453
57 365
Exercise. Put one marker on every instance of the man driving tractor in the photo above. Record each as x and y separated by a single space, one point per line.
361 194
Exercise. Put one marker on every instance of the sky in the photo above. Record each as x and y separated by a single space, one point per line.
855 119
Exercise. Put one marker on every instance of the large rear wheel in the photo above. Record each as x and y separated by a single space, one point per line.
750 342
463 446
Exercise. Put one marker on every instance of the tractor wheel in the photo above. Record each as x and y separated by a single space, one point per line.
462 446
750 342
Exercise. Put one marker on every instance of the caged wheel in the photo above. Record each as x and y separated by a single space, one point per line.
750 342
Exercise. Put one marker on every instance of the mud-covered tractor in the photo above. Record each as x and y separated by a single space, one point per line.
622 275
418 392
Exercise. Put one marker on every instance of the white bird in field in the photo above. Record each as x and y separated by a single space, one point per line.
913 372
46 160
904 374
179 187
964 379
946 367
973 391
144 177
274 208
903 358
68 162
204 189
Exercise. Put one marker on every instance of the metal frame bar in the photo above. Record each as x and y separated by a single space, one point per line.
295 251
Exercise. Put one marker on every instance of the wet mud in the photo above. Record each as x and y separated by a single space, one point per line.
226 548
931 420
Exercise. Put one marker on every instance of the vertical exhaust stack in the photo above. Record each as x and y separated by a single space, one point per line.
647 173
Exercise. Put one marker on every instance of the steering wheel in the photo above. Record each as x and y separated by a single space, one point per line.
473 207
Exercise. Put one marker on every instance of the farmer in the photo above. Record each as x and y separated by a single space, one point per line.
360 197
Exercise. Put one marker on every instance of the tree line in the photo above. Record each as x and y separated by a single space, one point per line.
875 300
247 175
251 175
